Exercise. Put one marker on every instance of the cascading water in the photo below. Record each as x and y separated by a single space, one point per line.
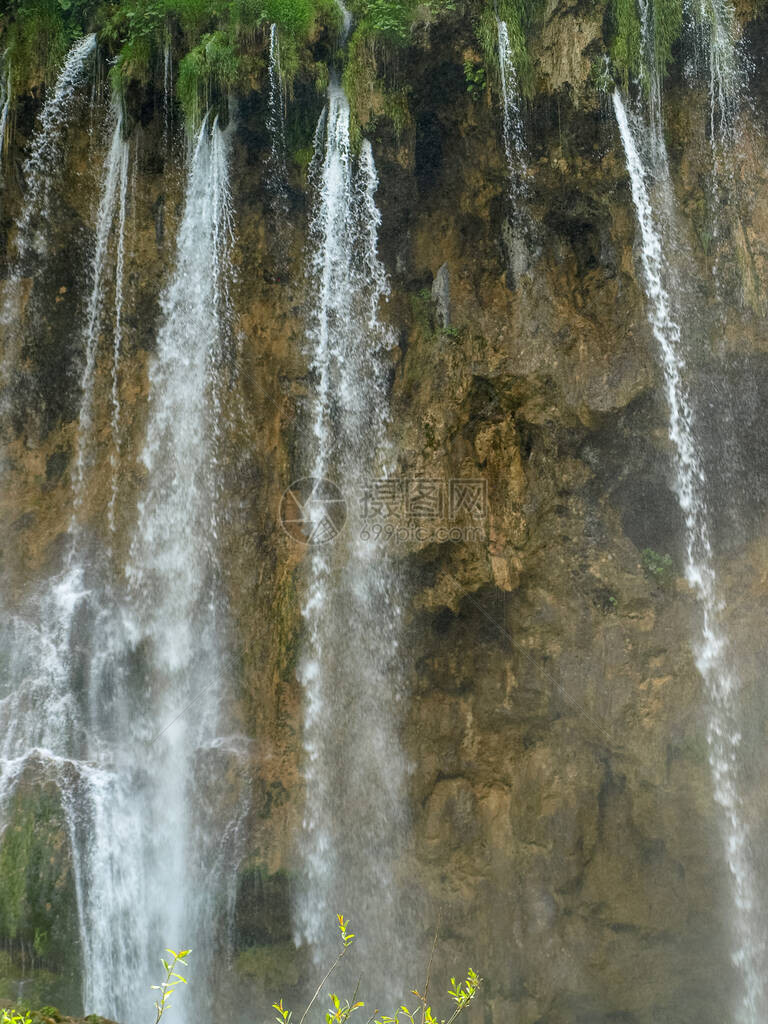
117 339
720 57
355 814
172 575
44 161
167 94
41 170
647 166
277 174
5 99
718 53
518 230
114 189
56 727
52 733
512 124
121 702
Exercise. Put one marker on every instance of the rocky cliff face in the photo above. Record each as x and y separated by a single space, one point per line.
563 821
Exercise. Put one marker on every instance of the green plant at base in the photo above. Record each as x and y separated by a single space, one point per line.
171 982
15 1017
461 994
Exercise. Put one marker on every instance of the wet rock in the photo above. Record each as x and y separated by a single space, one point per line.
441 296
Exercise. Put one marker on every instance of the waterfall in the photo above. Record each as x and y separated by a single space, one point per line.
167 93
38 706
172 571
719 54
174 544
121 700
117 339
277 174
642 147
114 188
41 170
512 124
354 768
44 161
346 21
5 99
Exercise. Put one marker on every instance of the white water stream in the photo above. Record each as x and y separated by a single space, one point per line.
120 699
511 123
355 814
651 191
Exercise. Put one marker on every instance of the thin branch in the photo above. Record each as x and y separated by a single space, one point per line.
458 1010
332 968
429 967
351 1004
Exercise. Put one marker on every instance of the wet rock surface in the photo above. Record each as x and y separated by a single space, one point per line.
564 829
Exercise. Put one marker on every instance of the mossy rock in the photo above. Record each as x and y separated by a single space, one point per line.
38 910
263 916
275 968
50 1015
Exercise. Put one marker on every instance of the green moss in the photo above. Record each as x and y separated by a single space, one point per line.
302 158
360 77
423 310
208 71
626 38
38 914
626 49
192 16
658 568
522 17
212 41
36 41
133 62
294 18
375 73
328 13
375 85
668 24
600 74
287 608
275 967
34 865
387 20
14 857
263 898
